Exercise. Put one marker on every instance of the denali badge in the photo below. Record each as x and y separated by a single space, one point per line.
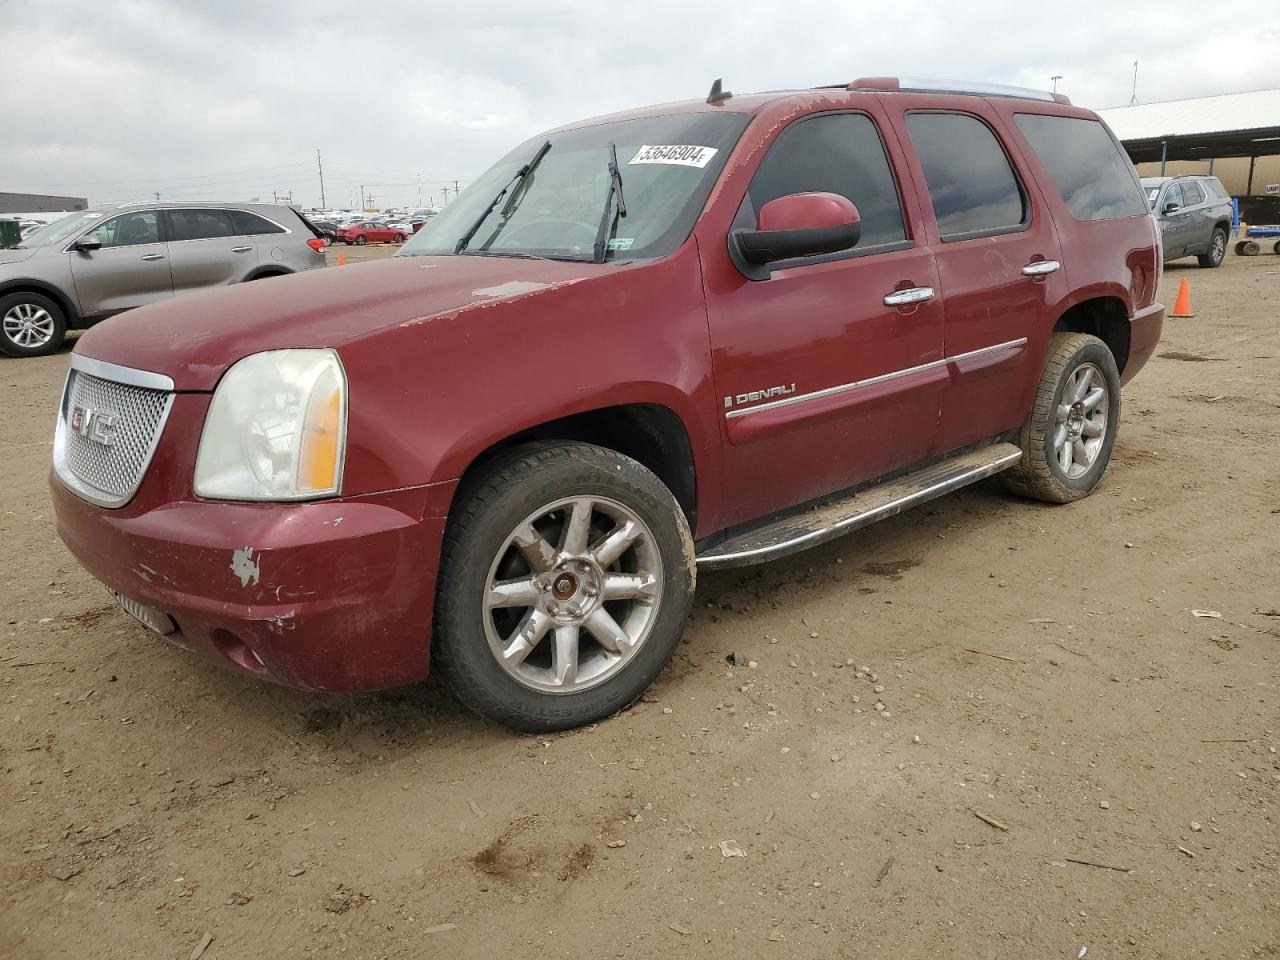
766 394
96 425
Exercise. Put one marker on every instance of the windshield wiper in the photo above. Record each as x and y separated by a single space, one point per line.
615 189
520 175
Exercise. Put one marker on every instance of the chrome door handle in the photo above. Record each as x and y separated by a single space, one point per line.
903 298
153 256
241 249
1041 268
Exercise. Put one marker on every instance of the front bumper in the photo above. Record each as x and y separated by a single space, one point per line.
335 595
1144 335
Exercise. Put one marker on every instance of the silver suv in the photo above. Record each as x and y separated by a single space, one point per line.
1194 215
99 262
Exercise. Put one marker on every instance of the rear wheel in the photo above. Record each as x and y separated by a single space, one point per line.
1217 250
1067 437
399 238
565 582
360 241
31 325
1248 248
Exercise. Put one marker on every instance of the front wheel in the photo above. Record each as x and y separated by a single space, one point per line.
31 325
1217 250
1067 437
566 579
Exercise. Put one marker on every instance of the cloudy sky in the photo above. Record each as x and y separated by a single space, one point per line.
118 99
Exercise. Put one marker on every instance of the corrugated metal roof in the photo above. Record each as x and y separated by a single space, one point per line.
1202 115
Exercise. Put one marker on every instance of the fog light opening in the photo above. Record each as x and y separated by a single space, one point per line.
237 651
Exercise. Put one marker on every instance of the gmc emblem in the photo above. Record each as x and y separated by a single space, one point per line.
96 425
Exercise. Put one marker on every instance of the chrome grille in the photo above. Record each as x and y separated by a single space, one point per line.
135 403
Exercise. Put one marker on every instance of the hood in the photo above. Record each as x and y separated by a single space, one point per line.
194 338
15 255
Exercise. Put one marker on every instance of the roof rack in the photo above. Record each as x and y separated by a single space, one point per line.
917 85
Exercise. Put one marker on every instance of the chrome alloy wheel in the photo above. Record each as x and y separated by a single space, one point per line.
28 325
1219 248
1081 426
572 594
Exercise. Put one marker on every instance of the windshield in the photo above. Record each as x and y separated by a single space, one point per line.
60 230
668 167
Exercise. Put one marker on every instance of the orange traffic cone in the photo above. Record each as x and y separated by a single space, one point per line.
342 259
1182 306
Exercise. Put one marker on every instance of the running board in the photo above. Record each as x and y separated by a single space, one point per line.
797 532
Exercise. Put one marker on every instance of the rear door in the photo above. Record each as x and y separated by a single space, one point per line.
1200 218
998 263
205 250
131 268
823 384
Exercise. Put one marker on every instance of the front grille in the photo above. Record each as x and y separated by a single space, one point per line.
107 431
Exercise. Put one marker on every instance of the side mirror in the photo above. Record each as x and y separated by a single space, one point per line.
1171 206
797 225
87 244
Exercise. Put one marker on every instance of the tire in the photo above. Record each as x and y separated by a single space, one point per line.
1041 474
399 238
360 241
1248 248
1217 250
328 240
31 325
536 488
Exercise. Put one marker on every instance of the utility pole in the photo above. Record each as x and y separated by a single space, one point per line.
1055 78
456 191
419 190
445 191
1133 100
157 196
362 198
320 168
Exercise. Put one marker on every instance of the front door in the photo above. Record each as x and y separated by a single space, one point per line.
129 270
823 383
204 250
998 264
1175 222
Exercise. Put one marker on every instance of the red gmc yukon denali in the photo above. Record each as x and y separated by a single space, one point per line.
698 335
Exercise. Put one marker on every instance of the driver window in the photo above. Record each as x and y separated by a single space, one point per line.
1173 195
128 230
836 153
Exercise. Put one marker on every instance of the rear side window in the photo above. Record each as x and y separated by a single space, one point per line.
1094 178
835 153
971 183
198 224
250 224
1191 193
1216 188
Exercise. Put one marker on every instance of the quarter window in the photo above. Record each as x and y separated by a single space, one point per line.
199 224
250 224
834 153
129 230
1094 178
971 183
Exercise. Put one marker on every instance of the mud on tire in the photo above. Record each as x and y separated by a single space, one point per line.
1070 410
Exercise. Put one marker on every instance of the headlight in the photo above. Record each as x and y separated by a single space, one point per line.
276 429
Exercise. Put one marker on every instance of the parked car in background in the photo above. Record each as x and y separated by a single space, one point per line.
821 307
1194 213
328 230
370 231
98 262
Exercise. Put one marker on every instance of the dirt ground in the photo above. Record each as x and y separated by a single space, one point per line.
1068 756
